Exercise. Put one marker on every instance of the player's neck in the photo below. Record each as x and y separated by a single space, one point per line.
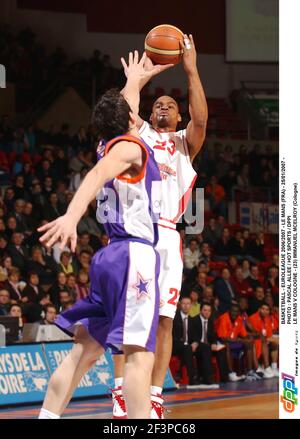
164 129
134 132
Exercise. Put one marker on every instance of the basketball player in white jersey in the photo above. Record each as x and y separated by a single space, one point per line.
174 152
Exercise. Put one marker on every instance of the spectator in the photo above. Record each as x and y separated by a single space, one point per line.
232 264
19 188
11 226
208 345
225 291
32 293
205 255
195 303
3 245
5 266
274 313
53 209
29 218
50 315
59 285
4 302
77 179
216 195
223 247
201 283
257 300
66 300
103 240
184 337
254 280
210 232
243 180
256 247
275 261
66 265
83 243
71 285
230 329
244 306
13 285
9 198
19 214
18 252
265 344
246 268
16 311
43 265
84 261
241 285
82 285
191 255
272 284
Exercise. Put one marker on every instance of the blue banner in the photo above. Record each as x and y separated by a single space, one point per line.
97 381
23 374
25 371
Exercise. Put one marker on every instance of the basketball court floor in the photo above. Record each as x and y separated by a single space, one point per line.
254 400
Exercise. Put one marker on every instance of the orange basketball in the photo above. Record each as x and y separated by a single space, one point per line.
162 44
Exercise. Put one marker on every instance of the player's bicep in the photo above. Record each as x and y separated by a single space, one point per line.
195 135
119 159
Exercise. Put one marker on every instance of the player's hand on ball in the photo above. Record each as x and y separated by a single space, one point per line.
189 58
63 229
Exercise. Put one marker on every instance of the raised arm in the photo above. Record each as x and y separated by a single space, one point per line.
147 71
116 162
196 128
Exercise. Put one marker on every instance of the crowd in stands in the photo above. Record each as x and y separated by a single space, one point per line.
229 273
32 68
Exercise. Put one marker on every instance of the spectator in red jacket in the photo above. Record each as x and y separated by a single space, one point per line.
231 330
216 194
266 344
241 285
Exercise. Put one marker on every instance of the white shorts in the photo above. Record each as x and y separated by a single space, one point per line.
171 266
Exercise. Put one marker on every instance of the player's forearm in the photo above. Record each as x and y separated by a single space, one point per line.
86 192
115 163
131 93
197 101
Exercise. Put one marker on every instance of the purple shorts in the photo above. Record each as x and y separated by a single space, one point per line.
122 307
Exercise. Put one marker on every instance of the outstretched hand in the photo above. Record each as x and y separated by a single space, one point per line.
144 69
63 229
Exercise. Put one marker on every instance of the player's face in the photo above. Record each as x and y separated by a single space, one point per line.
165 113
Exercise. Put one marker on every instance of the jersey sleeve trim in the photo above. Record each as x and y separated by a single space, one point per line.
133 139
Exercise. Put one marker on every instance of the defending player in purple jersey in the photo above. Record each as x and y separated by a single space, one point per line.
121 310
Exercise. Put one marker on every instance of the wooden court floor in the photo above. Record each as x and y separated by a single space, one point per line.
258 400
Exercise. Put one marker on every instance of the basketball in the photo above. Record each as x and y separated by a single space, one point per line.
162 44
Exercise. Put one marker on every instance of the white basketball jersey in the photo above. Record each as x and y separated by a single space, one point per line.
177 174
